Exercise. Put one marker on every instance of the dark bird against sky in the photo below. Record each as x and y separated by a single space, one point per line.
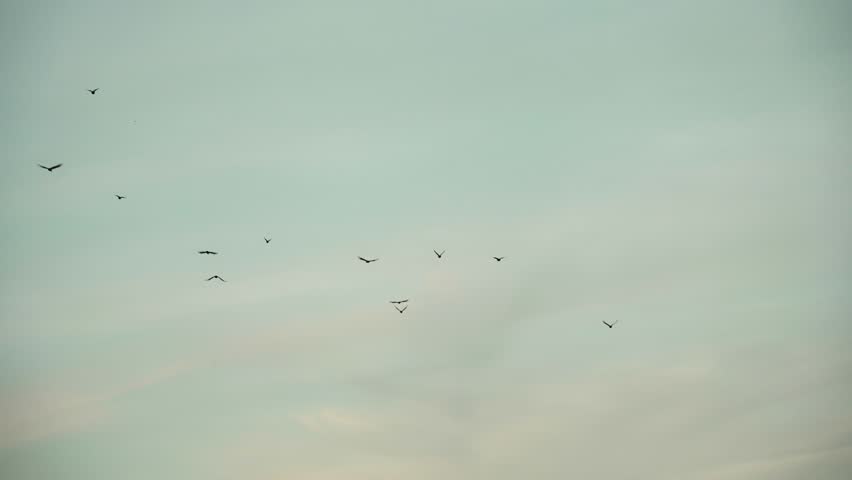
120 197
93 91
439 254
50 169
216 276
402 309
366 260
498 258
398 301
610 324
208 252
267 239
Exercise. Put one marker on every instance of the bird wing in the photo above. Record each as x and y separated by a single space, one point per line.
404 309
56 166
363 259
211 278
42 166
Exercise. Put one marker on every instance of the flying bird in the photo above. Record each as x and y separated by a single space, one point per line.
208 252
216 276
397 302
50 169
498 258
267 239
120 197
93 91
400 310
610 324
439 254
366 260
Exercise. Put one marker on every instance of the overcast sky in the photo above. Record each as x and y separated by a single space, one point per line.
682 168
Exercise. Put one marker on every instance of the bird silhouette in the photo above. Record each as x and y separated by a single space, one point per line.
120 197
267 239
366 260
216 276
610 324
498 258
439 254
208 252
50 169
93 91
400 310
397 302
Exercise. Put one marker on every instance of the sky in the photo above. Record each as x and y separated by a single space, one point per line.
682 168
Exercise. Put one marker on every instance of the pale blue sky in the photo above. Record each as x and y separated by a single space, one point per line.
681 167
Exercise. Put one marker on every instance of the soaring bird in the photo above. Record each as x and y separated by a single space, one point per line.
267 239
93 91
366 260
208 252
610 324
439 254
216 276
397 302
400 310
120 197
50 169
498 258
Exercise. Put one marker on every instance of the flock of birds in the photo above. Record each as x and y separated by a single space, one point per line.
396 303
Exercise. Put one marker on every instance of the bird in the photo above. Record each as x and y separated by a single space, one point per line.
498 258
610 324
50 169
207 252
439 254
216 276
267 239
93 91
397 302
120 197
400 310
366 260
